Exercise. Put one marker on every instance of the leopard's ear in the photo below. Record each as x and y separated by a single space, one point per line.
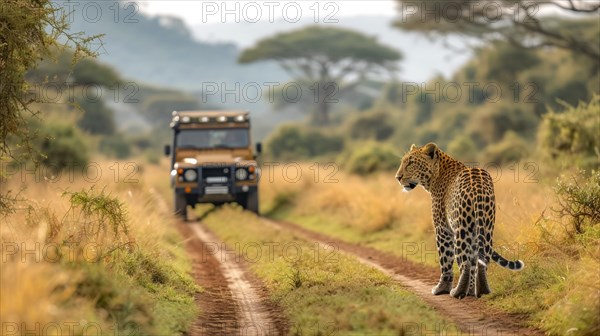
430 149
413 147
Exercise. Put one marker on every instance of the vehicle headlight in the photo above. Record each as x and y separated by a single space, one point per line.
190 175
241 174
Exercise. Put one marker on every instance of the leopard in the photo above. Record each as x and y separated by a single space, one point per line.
463 209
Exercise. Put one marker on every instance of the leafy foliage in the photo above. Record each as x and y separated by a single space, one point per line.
99 217
291 142
315 42
97 118
373 126
579 202
520 22
62 146
90 72
369 158
157 108
29 30
511 148
116 146
572 92
65 67
503 65
571 137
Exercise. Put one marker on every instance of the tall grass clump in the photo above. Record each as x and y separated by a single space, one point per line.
108 258
560 287
570 138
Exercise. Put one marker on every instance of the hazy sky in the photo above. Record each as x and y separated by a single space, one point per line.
197 12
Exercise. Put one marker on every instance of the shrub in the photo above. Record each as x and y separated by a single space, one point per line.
97 118
61 145
116 146
463 148
491 122
375 126
572 136
157 108
369 158
579 202
511 149
571 92
100 213
502 65
293 142
90 72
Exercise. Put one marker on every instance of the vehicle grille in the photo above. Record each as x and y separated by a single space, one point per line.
216 172
217 190
217 179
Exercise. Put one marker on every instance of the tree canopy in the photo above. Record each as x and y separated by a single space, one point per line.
571 25
29 30
323 56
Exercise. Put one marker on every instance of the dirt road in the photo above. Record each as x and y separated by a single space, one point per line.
472 316
232 302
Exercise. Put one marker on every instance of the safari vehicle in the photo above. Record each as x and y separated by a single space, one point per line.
212 160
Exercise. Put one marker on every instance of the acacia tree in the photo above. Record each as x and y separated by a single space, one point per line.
566 24
327 62
29 31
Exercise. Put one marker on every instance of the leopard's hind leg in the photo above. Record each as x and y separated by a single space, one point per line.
445 248
466 259
484 246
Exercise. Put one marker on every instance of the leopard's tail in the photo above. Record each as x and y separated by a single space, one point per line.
512 265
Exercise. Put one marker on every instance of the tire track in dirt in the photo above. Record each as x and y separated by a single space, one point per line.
232 301
218 311
255 316
471 315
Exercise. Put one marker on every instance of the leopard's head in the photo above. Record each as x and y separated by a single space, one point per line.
418 166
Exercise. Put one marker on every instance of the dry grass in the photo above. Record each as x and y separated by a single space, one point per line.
364 205
95 252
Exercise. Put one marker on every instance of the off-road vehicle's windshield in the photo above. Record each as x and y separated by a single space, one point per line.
213 138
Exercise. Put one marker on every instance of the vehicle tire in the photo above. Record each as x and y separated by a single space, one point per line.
181 206
251 203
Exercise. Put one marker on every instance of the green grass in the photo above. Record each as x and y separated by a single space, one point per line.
167 283
400 238
319 290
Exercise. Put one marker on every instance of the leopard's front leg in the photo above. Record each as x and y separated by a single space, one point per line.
445 246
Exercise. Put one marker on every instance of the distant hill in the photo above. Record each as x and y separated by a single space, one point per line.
423 60
162 51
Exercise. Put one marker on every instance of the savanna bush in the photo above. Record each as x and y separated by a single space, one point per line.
571 137
61 145
579 202
512 148
116 146
372 126
291 142
97 117
369 158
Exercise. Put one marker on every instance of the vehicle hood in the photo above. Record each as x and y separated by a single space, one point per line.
227 157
